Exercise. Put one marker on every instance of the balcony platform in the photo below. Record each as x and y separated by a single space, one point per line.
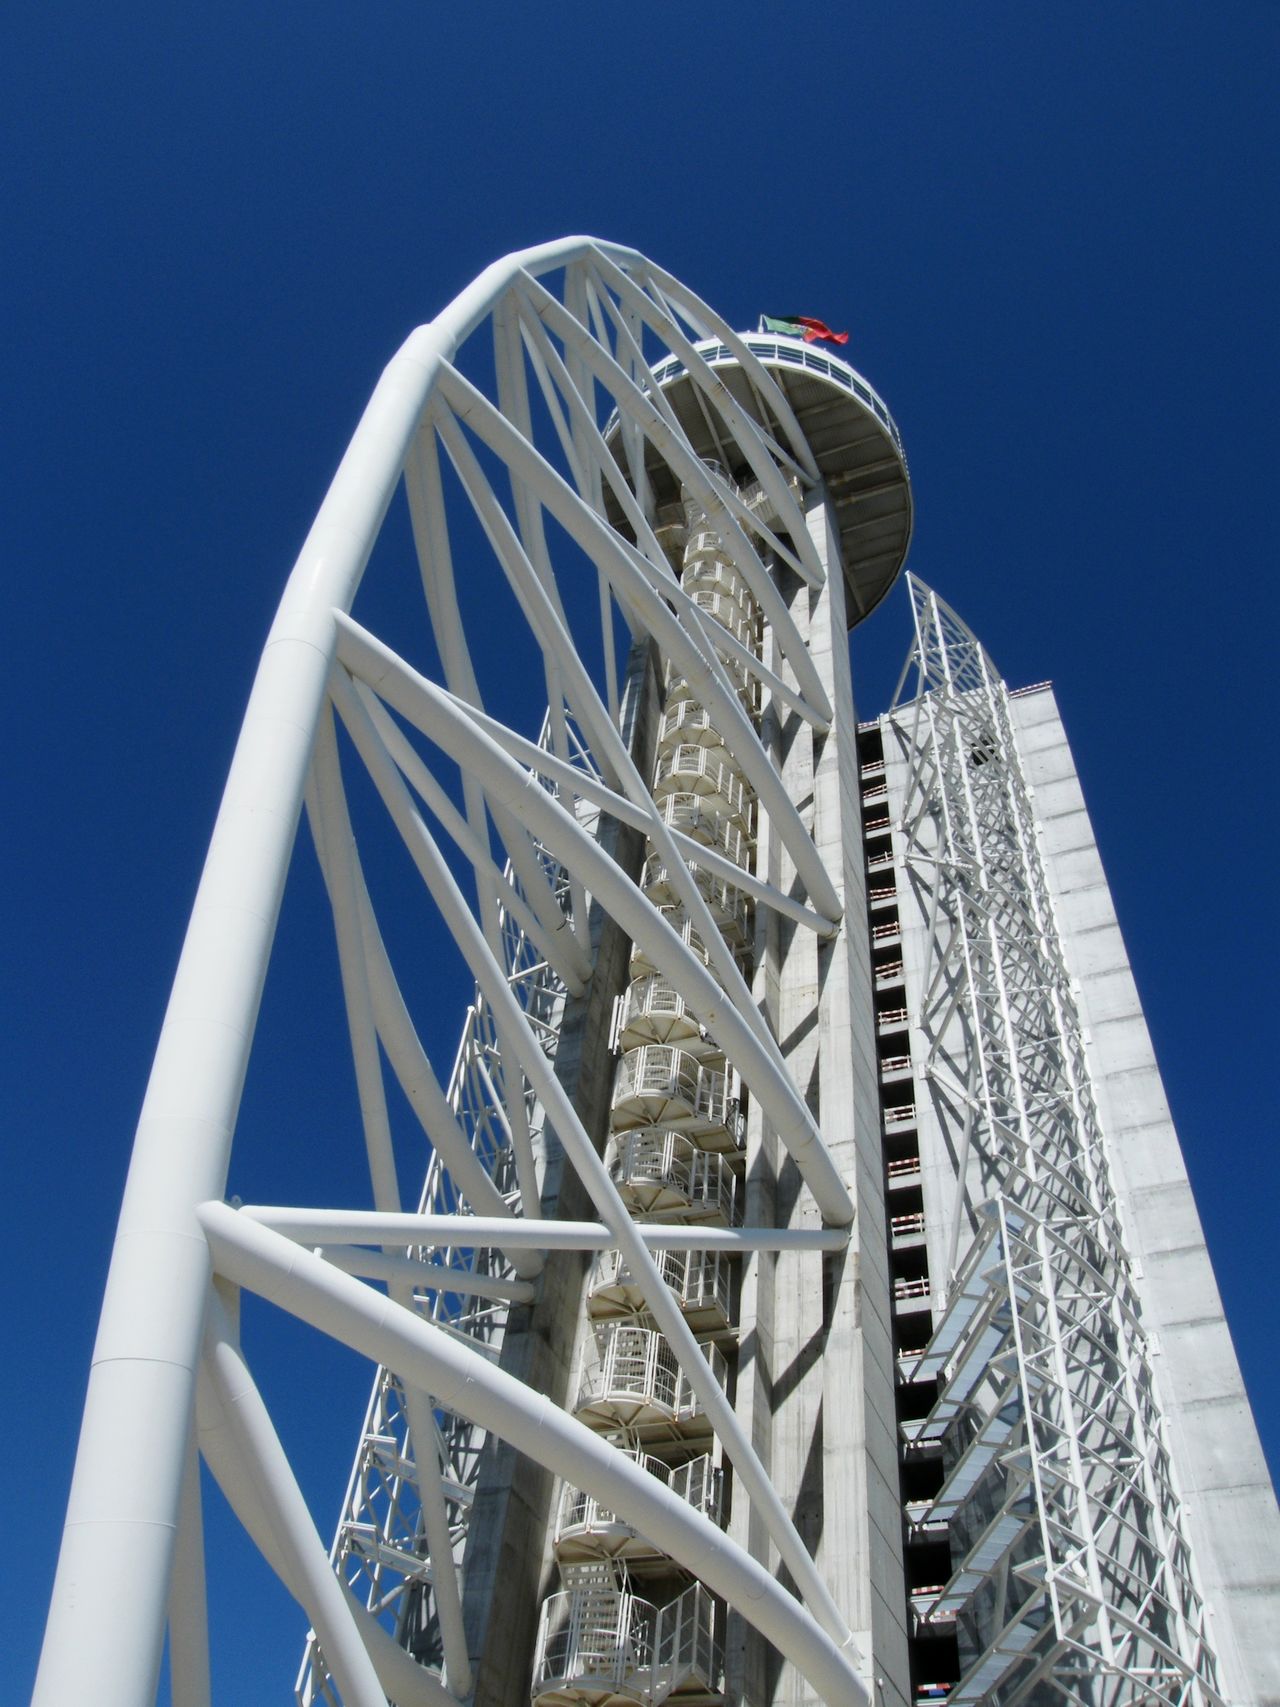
853 437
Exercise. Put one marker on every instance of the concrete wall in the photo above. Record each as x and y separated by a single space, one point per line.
815 1381
1218 1461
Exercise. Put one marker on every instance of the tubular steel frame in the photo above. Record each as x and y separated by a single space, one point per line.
379 1549
1071 1577
576 328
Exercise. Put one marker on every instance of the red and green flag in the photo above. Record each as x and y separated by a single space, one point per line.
803 326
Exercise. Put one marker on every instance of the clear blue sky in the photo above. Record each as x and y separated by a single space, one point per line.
1050 231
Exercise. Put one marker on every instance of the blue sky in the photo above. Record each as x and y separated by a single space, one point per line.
1050 232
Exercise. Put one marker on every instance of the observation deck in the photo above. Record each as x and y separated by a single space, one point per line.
854 439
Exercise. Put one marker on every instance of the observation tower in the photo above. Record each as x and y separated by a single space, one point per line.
771 1327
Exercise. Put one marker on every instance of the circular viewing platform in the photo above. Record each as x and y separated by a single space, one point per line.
854 439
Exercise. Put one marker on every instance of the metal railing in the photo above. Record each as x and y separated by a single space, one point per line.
598 1641
663 1170
699 1483
700 1280
688 720
693 815
660 1072
730 906
693 769
714 571
624 1363
686 1647
678 919
904 1168
652 1010
595 1635
787 352
725 610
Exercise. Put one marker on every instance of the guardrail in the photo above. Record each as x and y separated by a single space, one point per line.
785 352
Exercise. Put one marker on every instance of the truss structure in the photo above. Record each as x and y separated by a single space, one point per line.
1071 1575
380 1550
520 422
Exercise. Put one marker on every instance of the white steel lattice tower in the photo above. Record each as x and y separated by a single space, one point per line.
654 1369
1066 1539
1049 1530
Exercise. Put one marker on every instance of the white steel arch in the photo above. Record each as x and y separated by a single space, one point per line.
543 434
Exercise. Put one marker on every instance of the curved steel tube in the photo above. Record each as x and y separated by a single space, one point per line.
125 1500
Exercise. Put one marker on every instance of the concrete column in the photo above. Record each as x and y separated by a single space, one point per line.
816 1366
862 1542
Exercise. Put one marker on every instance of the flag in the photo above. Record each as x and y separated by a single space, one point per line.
802 326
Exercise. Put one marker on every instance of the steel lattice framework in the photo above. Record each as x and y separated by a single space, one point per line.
380 1549
539 440
1071 1574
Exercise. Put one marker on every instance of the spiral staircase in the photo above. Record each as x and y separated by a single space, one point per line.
676 1154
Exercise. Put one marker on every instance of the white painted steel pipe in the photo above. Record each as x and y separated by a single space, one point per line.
559 947
331 829
629 570
405 1682
662 578
417 1077
190 1683
435 873
575 781
332 1227
123 1507
301 1283
125 1496
425 493
440 717
658 426
710 325
424 1276
327 809
277 1494
546 622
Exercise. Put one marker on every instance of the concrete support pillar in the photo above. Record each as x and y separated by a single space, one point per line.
816 1367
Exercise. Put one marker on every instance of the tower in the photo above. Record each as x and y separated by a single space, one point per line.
1088 1513
681 1318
